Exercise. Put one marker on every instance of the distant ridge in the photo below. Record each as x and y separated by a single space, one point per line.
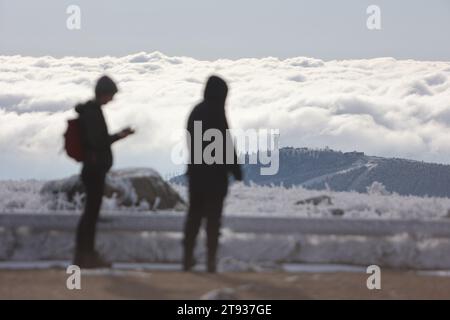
351 171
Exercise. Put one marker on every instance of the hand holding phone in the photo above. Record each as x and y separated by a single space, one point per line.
126 132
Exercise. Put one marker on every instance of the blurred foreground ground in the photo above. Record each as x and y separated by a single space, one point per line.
51 284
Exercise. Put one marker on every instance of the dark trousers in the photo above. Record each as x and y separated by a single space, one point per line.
94 183
208 206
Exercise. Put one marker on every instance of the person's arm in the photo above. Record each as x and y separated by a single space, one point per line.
237 172
120 135
190 140
114 137
235 167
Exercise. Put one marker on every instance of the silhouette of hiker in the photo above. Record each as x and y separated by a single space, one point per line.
98 159
208 183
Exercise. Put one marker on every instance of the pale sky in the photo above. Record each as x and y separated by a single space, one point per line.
205 29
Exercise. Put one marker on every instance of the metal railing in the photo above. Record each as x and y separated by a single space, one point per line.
173 222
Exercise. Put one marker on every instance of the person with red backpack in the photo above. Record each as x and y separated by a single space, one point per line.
93 149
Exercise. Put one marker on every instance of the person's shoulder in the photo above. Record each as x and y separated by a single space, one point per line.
196 112
88 107
82 106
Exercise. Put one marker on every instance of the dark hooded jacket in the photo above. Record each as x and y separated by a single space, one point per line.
95 138
211 112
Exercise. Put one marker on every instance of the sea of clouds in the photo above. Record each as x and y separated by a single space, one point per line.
381 106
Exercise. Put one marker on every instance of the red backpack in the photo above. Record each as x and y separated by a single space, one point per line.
72 140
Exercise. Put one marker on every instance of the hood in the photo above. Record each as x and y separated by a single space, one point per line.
216 90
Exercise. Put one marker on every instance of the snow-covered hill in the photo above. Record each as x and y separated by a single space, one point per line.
352 171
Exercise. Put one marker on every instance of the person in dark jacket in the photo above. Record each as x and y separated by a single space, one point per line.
98 160
208 183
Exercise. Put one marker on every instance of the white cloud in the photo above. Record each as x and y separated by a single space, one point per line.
380 106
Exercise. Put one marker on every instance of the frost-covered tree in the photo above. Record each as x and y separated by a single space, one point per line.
377 188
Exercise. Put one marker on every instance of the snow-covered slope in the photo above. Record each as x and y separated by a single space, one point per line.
354 171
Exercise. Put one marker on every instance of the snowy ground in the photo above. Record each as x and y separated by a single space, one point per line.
249 252
264 201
